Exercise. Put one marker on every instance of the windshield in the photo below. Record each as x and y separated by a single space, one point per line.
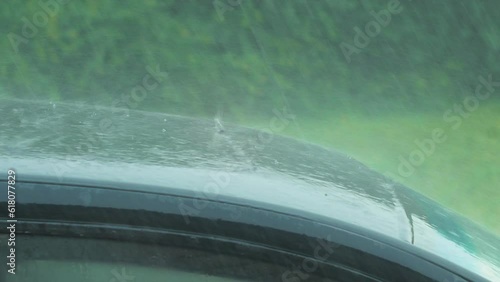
408 88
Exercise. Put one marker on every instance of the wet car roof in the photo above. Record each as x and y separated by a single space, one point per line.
74 143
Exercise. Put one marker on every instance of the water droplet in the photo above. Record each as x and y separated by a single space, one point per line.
165 119
218 126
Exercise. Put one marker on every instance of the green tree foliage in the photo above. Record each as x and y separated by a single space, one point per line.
251 55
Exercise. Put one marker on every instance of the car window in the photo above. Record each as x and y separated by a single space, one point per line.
408 88
377 118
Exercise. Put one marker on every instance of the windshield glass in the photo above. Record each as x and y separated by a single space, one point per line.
409 88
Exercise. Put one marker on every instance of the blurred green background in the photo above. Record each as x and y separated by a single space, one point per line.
246 58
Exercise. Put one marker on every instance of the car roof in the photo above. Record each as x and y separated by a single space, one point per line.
155 152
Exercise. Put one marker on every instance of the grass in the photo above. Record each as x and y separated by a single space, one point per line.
463 172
